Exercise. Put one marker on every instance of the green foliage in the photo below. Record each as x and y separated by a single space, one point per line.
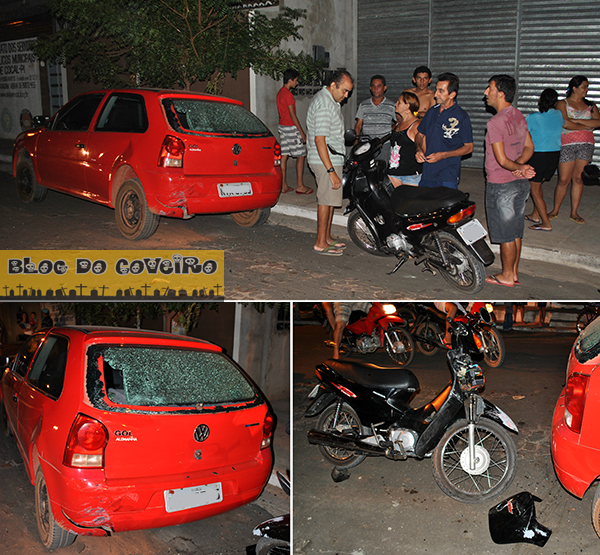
166 43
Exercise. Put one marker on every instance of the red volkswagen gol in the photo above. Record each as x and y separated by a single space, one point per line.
576 423
125 430
152 153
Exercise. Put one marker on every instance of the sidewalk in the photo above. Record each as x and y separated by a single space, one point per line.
568 244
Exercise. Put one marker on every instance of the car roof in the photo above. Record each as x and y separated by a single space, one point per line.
109 332
159 93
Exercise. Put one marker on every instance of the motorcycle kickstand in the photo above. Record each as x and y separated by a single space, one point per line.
401 260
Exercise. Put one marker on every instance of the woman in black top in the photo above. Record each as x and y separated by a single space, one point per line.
403 168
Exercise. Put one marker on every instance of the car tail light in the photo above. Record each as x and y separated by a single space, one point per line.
277 153
86 443
575 394
267 430
459 216
171 153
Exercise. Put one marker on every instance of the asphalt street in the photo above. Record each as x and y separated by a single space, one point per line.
391 507
272 262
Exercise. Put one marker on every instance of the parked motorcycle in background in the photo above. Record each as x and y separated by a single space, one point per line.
381 327
364 410
486 337
433 226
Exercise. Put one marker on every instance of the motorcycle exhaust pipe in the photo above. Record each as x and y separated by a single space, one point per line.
317 437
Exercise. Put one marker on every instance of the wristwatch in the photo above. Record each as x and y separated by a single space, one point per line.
331 169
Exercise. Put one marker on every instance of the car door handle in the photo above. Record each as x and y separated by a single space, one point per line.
79 145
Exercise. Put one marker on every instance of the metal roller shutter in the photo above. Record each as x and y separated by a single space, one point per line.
543 43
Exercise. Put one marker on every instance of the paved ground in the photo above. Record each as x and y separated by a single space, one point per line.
391 507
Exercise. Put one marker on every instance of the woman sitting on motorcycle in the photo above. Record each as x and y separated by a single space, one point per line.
450 310
403 168
338 315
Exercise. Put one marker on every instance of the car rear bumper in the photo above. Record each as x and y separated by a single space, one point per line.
576 465
184 196
85 503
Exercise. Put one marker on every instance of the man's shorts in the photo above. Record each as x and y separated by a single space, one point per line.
505 209
326 194
342 311
576 151
291 141
427 183
544 164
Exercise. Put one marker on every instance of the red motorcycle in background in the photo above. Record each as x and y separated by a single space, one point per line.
381 327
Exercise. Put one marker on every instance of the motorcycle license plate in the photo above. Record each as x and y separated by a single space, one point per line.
471 232
235 189
195 496
314 392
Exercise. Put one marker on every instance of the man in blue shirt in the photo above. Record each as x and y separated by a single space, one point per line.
444 136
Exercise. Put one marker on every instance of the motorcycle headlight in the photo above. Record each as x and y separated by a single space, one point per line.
362 149
389 309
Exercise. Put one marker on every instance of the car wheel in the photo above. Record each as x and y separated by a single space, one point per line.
134 219
251 218
51 534
27 186
596 511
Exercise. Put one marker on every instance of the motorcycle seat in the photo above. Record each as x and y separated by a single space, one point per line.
374 375
409 200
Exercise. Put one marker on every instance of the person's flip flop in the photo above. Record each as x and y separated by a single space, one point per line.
551 217
338 245
493 280
329 251
578 220
287 191
538 228
307 192
532 220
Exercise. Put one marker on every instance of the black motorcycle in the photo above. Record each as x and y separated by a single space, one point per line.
433 226
364 410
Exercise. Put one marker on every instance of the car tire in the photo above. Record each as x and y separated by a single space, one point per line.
51 534
251 218
134 219
596 511
27 186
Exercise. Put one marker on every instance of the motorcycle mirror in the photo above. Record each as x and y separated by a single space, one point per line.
513 520
485 315
349 137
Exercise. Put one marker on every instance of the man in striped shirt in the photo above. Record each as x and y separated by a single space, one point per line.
325 125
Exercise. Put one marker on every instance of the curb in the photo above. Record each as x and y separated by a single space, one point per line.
579 261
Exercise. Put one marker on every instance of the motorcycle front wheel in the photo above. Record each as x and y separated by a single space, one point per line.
399 345
495 351
495 462
464 270
432 334
361 235
347 423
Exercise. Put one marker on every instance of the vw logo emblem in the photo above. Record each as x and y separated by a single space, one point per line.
201 433
236 149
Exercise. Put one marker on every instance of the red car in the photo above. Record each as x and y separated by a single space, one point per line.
125 430
575 427
152 153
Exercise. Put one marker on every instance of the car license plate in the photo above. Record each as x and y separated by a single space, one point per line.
471 232
235 189
195 496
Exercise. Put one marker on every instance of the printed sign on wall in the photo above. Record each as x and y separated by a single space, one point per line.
111 275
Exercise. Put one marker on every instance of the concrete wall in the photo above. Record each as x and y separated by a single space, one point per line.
329 23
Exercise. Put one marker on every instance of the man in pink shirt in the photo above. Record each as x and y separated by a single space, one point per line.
508 146
291 135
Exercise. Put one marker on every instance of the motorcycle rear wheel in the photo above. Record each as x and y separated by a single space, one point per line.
467 273
496 462
432 332
399 345
495 354
361 235
348 422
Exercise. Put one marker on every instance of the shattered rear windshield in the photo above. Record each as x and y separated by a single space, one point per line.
587 346
161 377
205 116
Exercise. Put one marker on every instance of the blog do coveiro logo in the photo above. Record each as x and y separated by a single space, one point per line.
112 274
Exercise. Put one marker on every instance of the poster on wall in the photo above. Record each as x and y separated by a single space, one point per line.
20 94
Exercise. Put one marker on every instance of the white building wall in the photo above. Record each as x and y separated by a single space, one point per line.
329 23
